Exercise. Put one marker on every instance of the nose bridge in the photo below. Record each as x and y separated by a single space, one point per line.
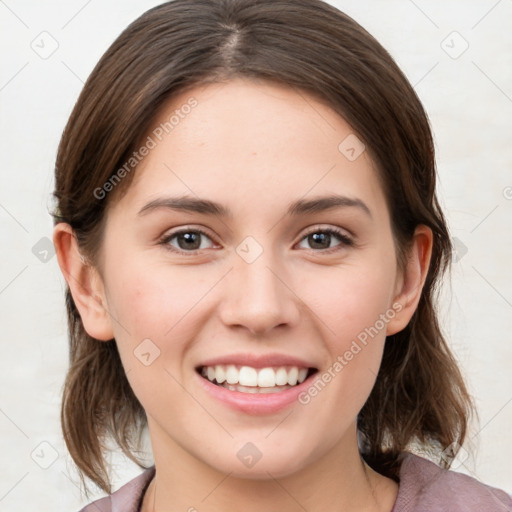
257 297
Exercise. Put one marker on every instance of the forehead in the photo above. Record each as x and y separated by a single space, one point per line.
253 143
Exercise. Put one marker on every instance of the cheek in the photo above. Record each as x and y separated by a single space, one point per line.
154 302
151 312
348 299
353 306
155 317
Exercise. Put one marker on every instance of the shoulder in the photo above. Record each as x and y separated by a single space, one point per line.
127 498
424 487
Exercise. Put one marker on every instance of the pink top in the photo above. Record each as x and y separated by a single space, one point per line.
424 487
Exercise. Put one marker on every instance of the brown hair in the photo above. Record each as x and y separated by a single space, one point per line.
419 398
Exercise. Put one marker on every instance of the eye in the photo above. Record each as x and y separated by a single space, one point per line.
187 240
322 238
191 240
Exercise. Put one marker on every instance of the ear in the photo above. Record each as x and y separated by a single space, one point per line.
84 282
410 281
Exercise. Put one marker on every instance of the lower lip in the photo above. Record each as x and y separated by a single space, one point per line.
255 403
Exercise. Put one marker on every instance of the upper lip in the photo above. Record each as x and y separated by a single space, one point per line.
257 361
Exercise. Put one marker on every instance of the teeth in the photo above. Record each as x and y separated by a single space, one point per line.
266 378
246 376
231 375
253 390
281 377
303 372
219 374
293 375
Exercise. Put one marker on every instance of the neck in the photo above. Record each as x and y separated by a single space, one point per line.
339 480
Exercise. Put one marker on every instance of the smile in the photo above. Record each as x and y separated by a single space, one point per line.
246 379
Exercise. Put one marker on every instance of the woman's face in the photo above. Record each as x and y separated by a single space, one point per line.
275 276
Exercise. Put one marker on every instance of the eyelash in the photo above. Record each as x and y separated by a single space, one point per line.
345 240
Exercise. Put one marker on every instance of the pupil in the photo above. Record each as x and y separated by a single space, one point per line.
191 239
318 238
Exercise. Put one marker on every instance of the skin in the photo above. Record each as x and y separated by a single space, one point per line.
254 147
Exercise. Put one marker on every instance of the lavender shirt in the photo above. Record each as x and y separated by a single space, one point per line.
424 487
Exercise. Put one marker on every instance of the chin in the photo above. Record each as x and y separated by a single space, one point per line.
251 463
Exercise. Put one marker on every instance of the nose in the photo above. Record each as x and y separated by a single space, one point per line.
259 296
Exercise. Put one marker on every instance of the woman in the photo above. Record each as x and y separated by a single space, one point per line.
248 226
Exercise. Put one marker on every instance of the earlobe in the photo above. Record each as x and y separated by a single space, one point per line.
84 283
412 279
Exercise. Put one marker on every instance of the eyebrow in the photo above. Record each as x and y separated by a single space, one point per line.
299 207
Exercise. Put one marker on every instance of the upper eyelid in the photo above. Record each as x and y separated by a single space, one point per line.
312 229
187 229
319 227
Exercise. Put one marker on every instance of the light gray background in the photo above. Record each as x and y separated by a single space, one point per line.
469 100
